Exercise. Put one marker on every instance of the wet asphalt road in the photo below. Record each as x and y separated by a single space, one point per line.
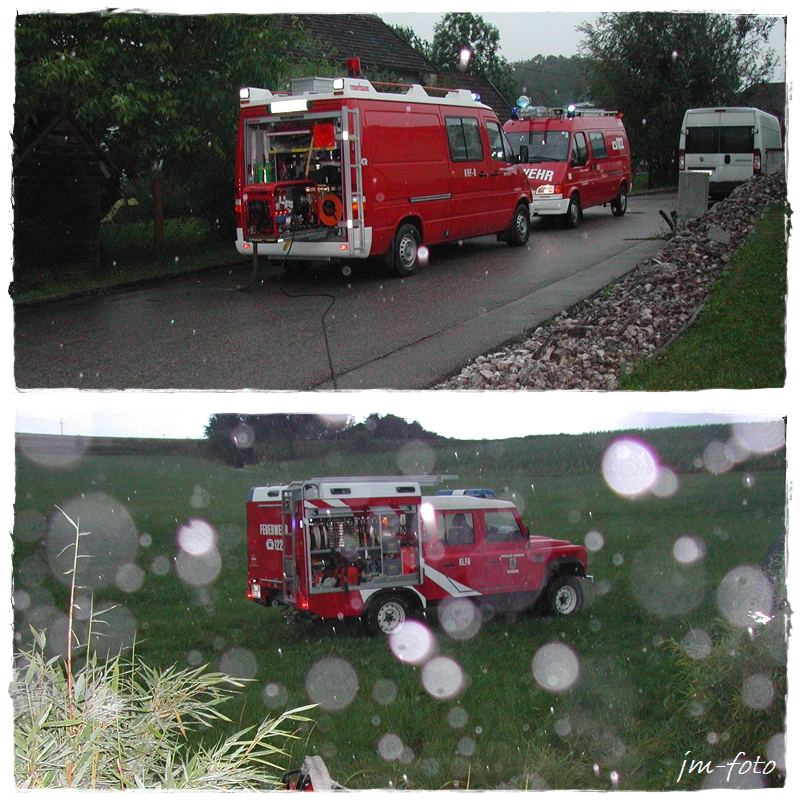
325 329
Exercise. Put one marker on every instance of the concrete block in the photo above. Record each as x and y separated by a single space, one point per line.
692 194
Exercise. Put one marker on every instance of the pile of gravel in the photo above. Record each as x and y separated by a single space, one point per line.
589 345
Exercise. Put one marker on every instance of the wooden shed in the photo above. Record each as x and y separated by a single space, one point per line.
64 184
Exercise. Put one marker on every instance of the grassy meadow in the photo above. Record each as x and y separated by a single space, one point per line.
641 702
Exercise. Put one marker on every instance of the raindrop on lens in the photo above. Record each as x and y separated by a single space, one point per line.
197 537
717 458
413 643
687 550
274 695
776 751
593 541
457 717
459 617
129 578
697 643
629 467
384 691
745 596
467 746
238 662
332 683
666 484
442 677
390 747
556 667
758 692
761 437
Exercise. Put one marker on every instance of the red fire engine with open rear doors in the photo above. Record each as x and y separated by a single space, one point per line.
346 168
378 549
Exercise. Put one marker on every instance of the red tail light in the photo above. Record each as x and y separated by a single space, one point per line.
756 162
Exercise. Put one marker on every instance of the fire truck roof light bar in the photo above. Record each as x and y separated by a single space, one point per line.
422 480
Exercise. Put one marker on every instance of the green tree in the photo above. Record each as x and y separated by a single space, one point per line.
159 92
456 31
652 66
551 81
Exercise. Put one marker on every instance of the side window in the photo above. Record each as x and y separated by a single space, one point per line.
457 528
598 144
498 144
502 526
464 138
580 152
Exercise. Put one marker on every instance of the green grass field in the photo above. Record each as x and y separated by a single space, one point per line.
739 339
628 721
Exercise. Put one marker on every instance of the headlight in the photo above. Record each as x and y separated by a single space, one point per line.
548 188
255 591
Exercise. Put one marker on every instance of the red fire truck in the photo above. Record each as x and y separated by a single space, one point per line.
378 549
575 158
346 168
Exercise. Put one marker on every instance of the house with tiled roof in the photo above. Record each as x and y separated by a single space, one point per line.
381 50
369 38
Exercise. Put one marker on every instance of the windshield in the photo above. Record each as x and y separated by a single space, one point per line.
542 145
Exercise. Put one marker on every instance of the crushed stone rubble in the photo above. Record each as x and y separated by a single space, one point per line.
590 345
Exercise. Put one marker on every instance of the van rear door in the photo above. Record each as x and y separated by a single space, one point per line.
721 142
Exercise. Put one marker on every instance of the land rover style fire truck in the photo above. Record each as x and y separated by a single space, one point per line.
575 158
378 549
346 168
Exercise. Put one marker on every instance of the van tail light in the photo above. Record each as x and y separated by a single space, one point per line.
756 162
681 160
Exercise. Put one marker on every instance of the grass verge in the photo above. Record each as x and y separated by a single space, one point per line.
739 339
128 257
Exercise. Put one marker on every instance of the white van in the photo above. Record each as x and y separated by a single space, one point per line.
730 144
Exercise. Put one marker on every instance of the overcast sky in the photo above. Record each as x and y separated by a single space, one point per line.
487 415
524 35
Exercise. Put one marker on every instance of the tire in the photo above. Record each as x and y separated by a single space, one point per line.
574 213
564 596
405 250
619 205
520 228
386 614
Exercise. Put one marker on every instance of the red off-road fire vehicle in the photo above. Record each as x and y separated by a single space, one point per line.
378 549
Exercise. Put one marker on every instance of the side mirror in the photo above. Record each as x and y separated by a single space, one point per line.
523 157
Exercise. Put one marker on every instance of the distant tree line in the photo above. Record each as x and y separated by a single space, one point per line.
241 439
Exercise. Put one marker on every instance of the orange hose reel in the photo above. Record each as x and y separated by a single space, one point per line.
329 209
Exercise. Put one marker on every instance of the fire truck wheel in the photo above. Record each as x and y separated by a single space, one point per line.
565 596
386 614
619 205
520 226
405 250
574 213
